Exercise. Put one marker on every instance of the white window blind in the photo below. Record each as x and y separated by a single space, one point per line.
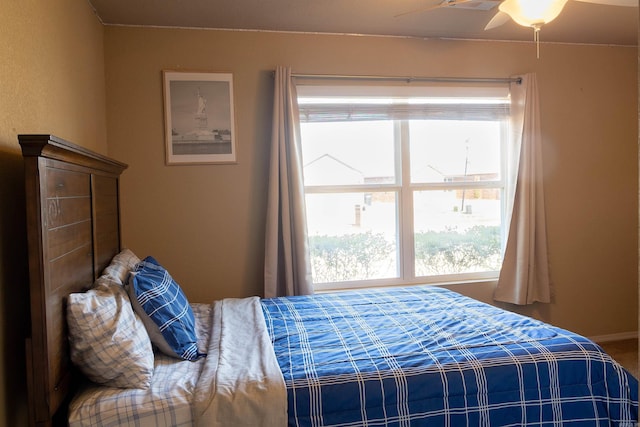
340 103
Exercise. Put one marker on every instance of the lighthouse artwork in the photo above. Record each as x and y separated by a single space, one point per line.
199 118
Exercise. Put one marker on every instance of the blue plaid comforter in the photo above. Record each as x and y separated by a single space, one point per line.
428 356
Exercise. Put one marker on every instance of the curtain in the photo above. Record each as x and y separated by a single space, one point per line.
287 269
524 277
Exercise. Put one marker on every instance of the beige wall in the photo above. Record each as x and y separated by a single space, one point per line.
52 82
206 223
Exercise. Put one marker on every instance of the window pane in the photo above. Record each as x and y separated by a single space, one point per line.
352 236
454 150
348 153
457 231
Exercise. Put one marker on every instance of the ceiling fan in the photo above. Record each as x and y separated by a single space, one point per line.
528 13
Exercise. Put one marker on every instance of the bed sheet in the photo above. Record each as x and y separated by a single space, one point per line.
167 403
424 355
241 384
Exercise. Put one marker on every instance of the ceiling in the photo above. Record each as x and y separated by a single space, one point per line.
579 22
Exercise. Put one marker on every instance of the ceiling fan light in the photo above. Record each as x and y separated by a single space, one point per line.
532 13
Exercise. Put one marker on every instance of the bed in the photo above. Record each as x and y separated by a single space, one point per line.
419 355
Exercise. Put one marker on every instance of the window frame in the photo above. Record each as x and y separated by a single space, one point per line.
404 190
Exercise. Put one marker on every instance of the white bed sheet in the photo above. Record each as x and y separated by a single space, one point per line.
168 402
238 384
248 386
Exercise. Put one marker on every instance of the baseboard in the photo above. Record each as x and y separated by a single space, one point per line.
615 337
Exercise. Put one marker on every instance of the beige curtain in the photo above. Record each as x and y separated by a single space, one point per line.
524 277
287 269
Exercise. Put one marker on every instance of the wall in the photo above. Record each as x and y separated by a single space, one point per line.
206 222
51 82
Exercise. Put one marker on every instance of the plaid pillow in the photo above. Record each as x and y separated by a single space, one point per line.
108 342
121 265
164 310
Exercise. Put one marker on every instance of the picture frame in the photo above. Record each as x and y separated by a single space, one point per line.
199 118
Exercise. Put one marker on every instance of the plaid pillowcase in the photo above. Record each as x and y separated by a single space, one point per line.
121 265
109 343
164 310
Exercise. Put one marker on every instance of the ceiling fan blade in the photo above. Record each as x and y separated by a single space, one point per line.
498 19
445 3
628 3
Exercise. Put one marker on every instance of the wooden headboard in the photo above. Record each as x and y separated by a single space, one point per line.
73 231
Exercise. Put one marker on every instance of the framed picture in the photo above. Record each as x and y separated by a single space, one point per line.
199 118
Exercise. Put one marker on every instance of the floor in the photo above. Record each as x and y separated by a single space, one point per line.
624 352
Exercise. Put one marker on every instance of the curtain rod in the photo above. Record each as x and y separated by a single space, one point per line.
517 80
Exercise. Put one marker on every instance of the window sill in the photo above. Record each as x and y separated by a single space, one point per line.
340 287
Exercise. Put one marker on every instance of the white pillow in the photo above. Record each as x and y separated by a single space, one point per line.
108 341
121 265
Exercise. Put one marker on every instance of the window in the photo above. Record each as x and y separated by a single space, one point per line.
403 185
